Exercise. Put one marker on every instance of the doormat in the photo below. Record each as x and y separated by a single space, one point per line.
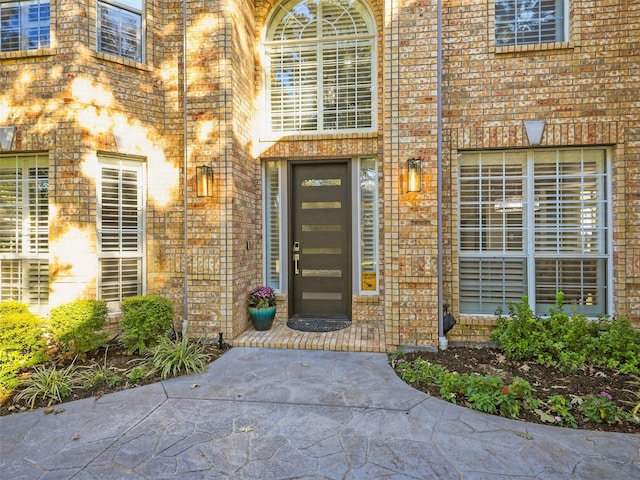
317 324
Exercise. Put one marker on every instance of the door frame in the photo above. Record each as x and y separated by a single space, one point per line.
288 250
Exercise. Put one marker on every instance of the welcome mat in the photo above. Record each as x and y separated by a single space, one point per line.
317 324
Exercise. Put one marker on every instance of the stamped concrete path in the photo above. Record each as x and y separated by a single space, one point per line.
297 414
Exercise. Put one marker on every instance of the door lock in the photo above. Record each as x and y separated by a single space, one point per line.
296 258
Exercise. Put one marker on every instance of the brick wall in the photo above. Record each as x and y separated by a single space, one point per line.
585 89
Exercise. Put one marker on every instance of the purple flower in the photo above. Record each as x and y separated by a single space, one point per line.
262 297
605 394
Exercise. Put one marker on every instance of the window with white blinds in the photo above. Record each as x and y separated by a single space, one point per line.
520 22
320 67
533 223
24 230
119 26
24 25
272 214
120 229
368 209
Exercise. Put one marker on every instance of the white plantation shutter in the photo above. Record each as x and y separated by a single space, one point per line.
24 230
368 215
520 22
120 229
561 196
320 63
272 224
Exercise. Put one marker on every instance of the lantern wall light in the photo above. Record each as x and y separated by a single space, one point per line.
204 181
414 175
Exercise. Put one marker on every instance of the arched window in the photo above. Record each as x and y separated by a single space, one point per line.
320 67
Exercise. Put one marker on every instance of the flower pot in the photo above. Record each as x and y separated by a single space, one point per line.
262 318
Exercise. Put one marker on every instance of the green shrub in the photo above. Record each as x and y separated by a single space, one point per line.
421 371
22 344
617 345
521 336
488 393
145 320
76 326
567 342
49 383
600 409
7 308
172 357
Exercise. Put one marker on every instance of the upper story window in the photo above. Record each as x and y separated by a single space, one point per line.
24 25
120 28
521 22
320 58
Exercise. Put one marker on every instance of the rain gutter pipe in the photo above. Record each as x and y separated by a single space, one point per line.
185 301
442 340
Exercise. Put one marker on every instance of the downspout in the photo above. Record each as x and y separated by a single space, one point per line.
442 340
185 319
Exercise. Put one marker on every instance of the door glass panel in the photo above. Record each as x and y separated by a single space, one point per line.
321 273
321 228
309 205
321 182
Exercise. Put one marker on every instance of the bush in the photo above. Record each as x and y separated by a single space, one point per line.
50 384
76 326
170 357
7 308
617 345
565 342
145 320
22 344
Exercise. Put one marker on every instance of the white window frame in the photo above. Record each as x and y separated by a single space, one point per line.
24 244
280 284
131 8
522 22
122 251
41 26
360 234
311 113
538 238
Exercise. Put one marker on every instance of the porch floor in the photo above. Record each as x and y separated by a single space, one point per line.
359 337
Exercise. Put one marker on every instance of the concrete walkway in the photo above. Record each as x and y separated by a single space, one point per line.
303 414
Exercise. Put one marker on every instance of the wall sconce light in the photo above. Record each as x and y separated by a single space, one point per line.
6 137
414 175
534 129
204 181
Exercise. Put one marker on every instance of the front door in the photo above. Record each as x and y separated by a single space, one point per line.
320 239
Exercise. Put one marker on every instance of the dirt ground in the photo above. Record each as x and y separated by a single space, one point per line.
115 357
589 381
547 381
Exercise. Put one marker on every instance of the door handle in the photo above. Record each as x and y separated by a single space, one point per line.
296 259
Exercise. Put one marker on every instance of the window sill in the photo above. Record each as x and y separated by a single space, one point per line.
307 136
40 52
532 47
122 61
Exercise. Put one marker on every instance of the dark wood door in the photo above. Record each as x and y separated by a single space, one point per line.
320 239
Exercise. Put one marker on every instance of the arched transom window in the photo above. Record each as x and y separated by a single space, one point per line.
320 67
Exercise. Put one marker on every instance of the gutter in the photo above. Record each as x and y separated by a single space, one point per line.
442 340
185 161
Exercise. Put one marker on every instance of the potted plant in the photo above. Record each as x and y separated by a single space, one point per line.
262 307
